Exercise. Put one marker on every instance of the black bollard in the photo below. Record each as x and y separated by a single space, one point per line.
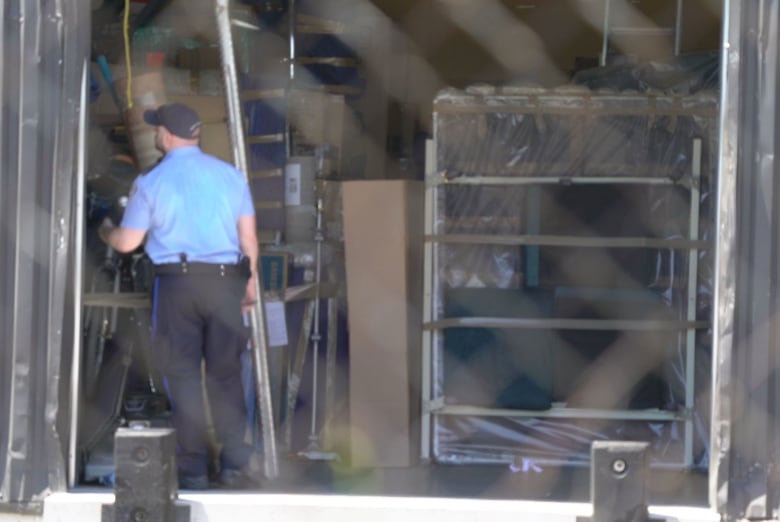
146 482
618 482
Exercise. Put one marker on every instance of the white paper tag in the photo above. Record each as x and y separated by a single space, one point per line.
293 184
276 323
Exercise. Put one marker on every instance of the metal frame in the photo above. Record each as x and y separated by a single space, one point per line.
78 262
608 29
433 324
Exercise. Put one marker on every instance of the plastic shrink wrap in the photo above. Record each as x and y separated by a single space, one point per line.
570 261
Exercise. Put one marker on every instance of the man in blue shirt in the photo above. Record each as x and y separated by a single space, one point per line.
196 213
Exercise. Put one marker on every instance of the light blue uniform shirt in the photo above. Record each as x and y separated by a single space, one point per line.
190 203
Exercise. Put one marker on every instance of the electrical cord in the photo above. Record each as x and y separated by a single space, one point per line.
125 33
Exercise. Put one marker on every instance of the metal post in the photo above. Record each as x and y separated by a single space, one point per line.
313 450
678 28
427 340
331 351
295 373
315 331
78 261
605 33
258 320
291 17
291 58
690 336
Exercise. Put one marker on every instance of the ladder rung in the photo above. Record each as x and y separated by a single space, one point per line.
264 139
643 31
245 25
266 173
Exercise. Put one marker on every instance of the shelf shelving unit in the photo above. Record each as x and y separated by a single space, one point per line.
463 154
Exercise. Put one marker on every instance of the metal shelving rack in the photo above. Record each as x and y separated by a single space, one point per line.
438 182
609 29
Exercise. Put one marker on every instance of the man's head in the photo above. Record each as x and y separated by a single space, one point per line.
177 124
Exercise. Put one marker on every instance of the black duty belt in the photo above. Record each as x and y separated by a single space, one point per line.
199 269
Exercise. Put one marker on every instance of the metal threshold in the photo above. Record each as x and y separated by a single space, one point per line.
85 506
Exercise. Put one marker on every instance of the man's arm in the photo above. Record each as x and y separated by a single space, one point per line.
121 239
247 240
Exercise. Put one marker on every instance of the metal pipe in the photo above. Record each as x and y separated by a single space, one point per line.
291 21
605 34
313 450
78 260
315 331
678 28
693 268
291 57
331 348
555 180
723 292
561 413
428 315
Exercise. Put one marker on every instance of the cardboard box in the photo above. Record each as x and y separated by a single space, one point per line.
215 139
383 229
211 109
317 117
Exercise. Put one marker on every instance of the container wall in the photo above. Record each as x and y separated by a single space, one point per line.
44 46
743 478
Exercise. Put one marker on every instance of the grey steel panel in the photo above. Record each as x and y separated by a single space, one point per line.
743 479
44 46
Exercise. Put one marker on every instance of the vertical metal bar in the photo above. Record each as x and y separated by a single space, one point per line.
533 212
257 320
724 291
291 21
296 373
315 331
230 79
428 268
690 335
78 261
678 24
330 371
605 33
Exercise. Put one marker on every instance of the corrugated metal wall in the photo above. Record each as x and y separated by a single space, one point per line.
745 477
44 45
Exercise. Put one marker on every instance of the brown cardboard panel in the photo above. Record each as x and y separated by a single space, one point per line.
383 246
211 109
381 434
215 139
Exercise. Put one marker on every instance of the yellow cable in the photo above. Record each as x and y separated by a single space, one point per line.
125 29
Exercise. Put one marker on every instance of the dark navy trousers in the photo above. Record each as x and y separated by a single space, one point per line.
198 318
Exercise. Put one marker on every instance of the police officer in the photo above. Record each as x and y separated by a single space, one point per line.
197 216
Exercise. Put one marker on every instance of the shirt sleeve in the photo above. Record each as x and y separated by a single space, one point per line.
247 205
138 214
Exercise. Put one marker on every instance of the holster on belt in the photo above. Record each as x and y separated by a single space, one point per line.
245 267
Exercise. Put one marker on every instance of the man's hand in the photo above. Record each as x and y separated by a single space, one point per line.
105 229
121 239
250 295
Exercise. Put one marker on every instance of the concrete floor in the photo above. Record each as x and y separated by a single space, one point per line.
474 482
327 492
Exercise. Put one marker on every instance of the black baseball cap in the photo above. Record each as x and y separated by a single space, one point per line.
181 120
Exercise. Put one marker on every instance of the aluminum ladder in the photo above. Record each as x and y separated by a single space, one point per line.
258 319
